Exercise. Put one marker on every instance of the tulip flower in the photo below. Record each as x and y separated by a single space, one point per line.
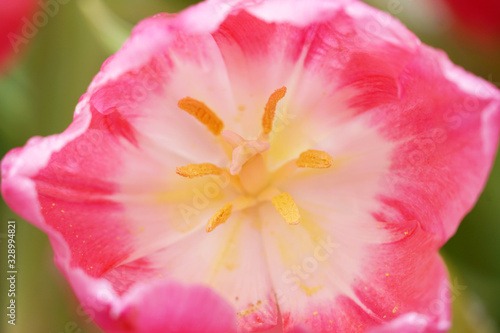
251 165
15 22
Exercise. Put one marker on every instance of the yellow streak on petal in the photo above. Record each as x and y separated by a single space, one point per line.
220 217
198 170
228 256
314 159
202 112
270 109
310 290
285 205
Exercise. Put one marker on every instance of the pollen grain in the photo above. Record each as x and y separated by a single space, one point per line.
198 170
285 205
316 159
220 217
202 112
270 109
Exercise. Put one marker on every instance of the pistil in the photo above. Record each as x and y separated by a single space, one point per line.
243 150
254 176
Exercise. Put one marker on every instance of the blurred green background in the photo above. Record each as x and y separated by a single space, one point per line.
38 96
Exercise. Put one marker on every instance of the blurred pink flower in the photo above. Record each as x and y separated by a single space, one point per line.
340 152
14 16
481 18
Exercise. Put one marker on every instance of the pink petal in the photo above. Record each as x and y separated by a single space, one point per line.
446 141
230 260
67 191
86 212
352 275
144 307
189 309
434 153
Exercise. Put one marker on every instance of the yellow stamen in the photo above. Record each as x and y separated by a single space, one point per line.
314 159
270 109
220 217
285 205
198 170
200 111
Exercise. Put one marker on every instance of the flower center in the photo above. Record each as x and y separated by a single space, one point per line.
248 166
